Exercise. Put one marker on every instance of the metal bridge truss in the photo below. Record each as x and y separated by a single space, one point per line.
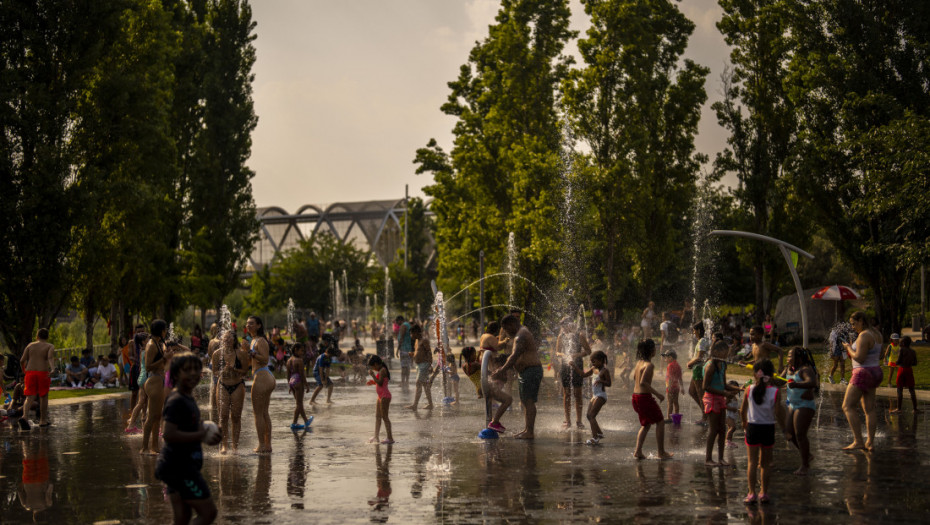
370 225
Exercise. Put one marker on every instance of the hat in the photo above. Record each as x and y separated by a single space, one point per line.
896 336
670 353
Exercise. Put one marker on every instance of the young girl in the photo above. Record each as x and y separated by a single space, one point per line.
422 358
732 414
803 383
907 360
570 348
760 409
181 458
472 367
598 384
297 384
453 376
716 393
490 343
380 376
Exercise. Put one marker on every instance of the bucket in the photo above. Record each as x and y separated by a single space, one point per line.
487 433
676 419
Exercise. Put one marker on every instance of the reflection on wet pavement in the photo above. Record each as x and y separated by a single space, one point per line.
86 470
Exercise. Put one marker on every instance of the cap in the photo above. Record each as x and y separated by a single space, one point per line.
670 353
896 336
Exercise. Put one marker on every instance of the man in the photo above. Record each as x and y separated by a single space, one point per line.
76 373
106 372
525 360
313 326
37 361
762 349
404 350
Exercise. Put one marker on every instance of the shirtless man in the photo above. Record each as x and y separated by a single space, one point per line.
763 350
37 361
525 360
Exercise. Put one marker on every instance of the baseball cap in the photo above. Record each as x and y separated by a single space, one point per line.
670 353
896 336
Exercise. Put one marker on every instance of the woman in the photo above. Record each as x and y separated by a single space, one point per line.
866 376
263 383
230 363
803 383
646 319
157 356
570 348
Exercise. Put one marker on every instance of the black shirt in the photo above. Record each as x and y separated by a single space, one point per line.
182 410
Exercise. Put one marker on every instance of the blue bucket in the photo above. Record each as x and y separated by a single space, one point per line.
487 433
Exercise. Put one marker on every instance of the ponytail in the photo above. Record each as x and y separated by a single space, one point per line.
764 370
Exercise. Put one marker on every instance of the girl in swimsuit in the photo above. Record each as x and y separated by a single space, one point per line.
380 375
490 343
601 381
297 384
472 367
803 383
229 362
263 383
157 357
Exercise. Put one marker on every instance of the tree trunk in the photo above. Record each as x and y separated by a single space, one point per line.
89 318
115 328
759 275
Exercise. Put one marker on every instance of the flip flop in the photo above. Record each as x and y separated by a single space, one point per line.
750 499
763 498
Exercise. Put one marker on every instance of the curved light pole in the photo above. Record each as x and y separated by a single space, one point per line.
783 247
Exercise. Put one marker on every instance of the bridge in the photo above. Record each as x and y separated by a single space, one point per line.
371 225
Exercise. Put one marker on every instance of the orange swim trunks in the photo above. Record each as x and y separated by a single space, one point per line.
37 383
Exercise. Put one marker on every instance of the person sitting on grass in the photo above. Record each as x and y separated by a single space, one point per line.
106 372
75 373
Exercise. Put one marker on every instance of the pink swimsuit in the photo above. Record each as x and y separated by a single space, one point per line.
382 389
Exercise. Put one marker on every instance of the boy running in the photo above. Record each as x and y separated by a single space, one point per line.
37 362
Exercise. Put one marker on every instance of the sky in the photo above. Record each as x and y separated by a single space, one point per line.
347 90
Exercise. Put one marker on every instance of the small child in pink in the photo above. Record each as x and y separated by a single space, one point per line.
380 376
673 381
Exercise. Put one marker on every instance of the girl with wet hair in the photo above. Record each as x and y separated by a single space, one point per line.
157 356
760 410
263 382
230 364
380 375
803 383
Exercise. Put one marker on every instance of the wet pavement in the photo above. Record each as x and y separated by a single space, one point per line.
84 469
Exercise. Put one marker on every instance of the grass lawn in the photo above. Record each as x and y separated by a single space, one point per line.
82 392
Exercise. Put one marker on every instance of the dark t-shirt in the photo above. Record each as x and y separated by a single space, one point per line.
182 411
324 361
313 327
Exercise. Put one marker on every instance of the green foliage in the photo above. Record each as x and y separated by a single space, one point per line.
636 105
411 284
302 274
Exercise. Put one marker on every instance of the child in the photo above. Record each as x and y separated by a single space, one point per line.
716 393
422 358
732 414
14 408
891 354
37 361
673 379
380 376
297 384
803 383
598 384
643 402
454 377
570 348
472 367
489 342
321 372
760 409
907 360
181 457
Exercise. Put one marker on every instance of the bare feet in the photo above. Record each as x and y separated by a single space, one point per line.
524 435
801 471
566 425
411 407
373 440
429 406
854 446
722 463
711 463
579 425
668 455
639 455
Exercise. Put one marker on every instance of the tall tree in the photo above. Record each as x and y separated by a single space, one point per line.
636 104
859 81
46 50
762 122
221 224
503 172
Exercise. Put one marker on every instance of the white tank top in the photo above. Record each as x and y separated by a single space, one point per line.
597 388
873 358
763 414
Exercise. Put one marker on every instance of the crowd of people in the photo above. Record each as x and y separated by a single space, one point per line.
163 373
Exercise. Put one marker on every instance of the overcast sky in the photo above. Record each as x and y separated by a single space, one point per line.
347 90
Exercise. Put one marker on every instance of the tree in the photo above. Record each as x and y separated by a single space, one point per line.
411 283
636 105
503 172
761 140
46 49
220 219
859 83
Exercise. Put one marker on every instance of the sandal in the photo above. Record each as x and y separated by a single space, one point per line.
750 499
763 498
387 442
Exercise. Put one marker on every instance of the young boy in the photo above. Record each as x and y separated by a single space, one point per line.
75 373
181 457
643 402
321 371
673 379
422 358
890 356
906 361
38 359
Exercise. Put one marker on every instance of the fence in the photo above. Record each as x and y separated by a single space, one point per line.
63 355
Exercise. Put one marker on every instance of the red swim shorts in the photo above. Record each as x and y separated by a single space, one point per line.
37 383
905 377
648 410
714 403
35 470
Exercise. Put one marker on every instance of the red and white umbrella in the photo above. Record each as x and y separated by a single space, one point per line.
836 293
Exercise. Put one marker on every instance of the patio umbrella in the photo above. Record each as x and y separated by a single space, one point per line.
836 293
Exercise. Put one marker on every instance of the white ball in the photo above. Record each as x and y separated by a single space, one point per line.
213 432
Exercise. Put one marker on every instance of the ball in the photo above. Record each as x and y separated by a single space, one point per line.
213 434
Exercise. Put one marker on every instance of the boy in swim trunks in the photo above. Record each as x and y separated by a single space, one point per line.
907 360
37 361
525 360
643 403
673 380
